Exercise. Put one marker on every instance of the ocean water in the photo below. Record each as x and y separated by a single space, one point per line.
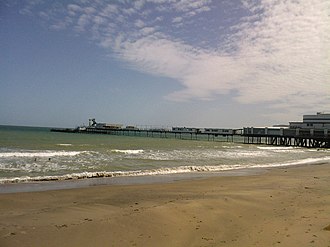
36 154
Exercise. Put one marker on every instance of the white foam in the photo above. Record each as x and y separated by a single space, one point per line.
283 149
232 147
84 175
128 151
307 161
203 154
39 154
162 171
64 144
276 148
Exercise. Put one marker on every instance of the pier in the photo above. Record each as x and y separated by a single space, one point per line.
312 132
226 135
184 133
310 138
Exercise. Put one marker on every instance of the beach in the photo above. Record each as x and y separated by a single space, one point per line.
286 206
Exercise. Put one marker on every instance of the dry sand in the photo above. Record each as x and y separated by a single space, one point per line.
282 207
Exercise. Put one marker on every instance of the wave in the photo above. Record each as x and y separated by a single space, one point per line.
128 151
103 174
283 149
39 154
277 148
307 161
201 155
162 171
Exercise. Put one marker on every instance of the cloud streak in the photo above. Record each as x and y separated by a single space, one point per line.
277 52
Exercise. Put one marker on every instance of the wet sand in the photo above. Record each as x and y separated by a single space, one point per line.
281 207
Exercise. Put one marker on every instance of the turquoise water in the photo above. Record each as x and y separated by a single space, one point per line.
33 154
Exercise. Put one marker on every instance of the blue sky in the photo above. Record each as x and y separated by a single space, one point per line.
201 63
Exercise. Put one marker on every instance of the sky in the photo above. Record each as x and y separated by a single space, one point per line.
197 63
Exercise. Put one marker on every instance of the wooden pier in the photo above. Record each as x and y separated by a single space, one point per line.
310 138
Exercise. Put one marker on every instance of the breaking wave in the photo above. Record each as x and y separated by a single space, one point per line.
161 171
137 151
39 154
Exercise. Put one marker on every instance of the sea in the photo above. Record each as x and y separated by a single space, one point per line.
33 154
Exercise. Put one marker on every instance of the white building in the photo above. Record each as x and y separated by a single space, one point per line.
185 130
218 131
319 121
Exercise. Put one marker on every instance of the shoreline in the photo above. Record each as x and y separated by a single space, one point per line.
137 177
38 186
284 206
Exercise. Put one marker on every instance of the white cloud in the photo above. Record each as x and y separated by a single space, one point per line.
73 8
99 20
156 55
83 21
187 5
278 53
203 9
129 11
89 10
139 23
177 19
282 58
138 4
109 10
147 30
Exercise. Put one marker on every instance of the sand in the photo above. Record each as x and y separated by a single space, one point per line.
280 207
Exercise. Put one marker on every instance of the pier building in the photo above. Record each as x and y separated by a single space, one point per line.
319 121
312 132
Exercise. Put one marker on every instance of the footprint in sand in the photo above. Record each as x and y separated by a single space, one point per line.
61 226
9 234
327 228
